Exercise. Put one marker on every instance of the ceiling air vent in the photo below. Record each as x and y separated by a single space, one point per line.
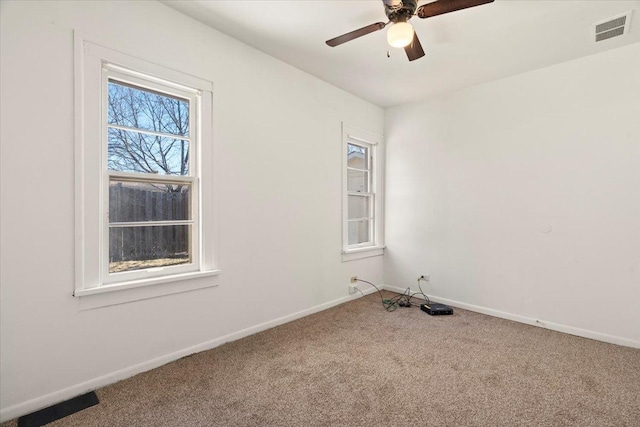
612 27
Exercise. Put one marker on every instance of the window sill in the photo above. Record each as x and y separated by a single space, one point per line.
354 254
143 289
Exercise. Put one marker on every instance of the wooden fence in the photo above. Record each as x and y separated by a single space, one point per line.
132 202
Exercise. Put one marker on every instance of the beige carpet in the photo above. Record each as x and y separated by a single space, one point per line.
358 365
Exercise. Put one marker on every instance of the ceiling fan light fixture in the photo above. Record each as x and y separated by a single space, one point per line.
400 34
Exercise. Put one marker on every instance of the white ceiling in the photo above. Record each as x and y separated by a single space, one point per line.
462 48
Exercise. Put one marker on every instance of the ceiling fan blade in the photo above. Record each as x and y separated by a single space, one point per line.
414 49
445 6
355 34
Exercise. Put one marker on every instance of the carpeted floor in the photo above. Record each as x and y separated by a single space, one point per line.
358 365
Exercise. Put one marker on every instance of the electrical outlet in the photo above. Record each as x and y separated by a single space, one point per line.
354 279
353 289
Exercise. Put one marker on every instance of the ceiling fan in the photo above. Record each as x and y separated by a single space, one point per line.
401 33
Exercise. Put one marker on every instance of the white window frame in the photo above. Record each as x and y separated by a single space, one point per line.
94 66
373 142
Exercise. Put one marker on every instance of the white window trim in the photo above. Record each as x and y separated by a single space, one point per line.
90 62
375 143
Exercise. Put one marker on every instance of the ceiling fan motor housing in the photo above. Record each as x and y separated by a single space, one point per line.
402 12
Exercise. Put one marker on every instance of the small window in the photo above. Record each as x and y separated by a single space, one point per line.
362 222
145 212
360 196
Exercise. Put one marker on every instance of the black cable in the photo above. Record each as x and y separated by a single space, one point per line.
404 299
388 304
400 300
425 297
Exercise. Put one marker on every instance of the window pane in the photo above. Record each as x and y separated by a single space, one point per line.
357 181
359 207
359 232
357 156
148 201
138 152
143 109
138 248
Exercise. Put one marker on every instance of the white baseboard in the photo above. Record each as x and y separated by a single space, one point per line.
46 400
585 333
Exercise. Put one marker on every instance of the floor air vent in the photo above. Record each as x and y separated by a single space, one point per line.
59 410
612 27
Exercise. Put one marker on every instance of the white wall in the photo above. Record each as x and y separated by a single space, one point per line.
521 196
278 158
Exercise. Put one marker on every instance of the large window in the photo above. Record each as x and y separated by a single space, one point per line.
151 206
143 171
362 196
